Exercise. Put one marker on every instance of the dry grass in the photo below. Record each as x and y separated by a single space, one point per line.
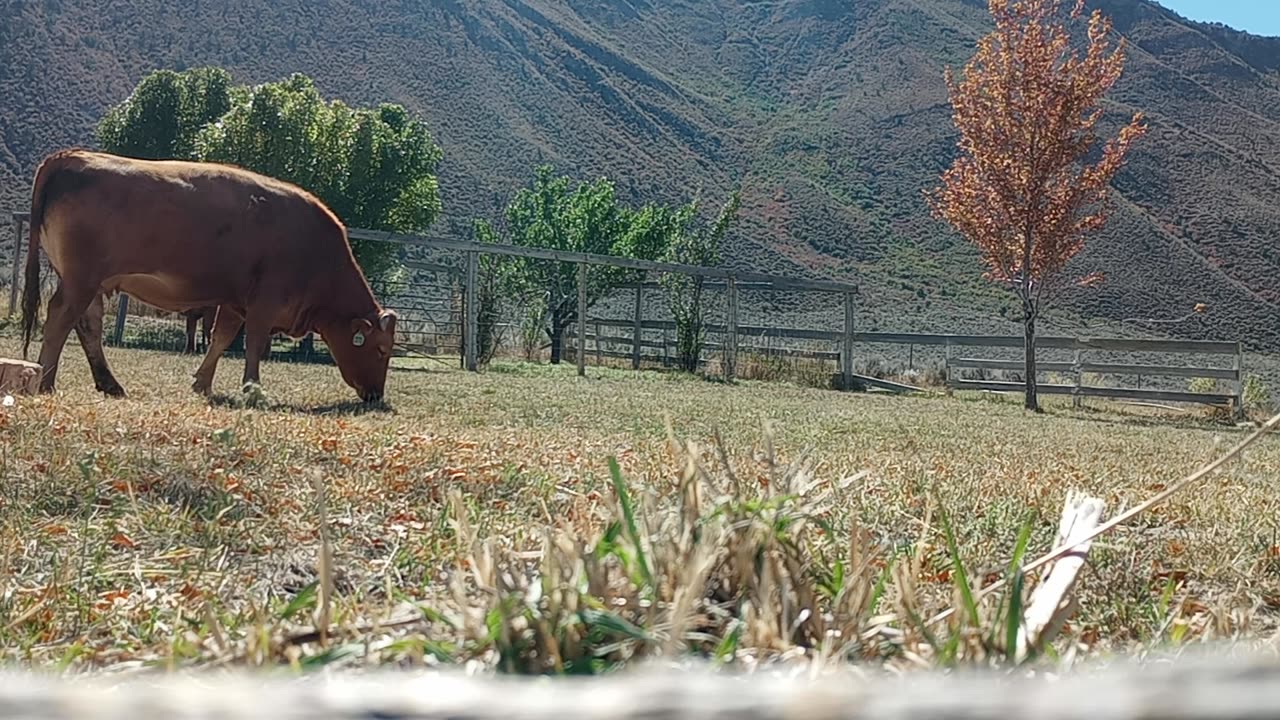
476 519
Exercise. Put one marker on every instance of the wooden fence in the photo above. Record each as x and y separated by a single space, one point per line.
584 261
834 345
606 334
1079 366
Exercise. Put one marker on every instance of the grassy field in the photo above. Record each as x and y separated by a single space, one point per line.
170 530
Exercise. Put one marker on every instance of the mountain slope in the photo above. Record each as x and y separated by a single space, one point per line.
831 114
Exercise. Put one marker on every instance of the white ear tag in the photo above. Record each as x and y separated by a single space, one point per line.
358 340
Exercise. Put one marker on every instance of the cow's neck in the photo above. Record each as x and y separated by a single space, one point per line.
351 301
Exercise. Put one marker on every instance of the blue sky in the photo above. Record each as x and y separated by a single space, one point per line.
1260 17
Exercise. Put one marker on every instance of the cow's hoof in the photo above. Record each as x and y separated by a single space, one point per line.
201 387
114 391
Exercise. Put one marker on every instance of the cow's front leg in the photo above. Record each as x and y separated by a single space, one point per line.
225 329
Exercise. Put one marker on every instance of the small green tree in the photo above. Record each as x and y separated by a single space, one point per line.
694 245
374 167
489 303
556 214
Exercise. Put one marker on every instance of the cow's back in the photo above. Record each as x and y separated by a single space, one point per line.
183 232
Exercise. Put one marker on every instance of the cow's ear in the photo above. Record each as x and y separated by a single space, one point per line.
359 327
387 320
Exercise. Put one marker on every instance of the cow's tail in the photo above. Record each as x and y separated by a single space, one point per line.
31 287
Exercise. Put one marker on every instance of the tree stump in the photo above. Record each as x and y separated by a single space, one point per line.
18 377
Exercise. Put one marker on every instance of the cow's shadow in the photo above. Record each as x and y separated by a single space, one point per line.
346 407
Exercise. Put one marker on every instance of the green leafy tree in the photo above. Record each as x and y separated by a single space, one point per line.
693 244
374 167
161 118
555 213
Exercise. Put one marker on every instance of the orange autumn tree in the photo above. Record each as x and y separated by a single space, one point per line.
1026 110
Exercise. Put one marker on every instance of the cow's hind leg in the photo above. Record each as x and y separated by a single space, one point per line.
257 340
191 334
89 330
225 328
66 306
206 324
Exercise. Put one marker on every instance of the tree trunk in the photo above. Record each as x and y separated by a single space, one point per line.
557 345
557 338
1029 348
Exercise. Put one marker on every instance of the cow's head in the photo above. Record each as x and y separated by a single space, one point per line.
363 351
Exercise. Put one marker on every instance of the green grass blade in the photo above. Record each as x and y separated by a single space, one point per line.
729 644
947 657
614 624
959 577
435 616
304 600
331 655
878 591
1013 621
1020 547
924 630
1166 599
628 514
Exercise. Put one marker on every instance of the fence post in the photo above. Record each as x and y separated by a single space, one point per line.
636 331
582 319
731 339
122 310
1075 368
17 261
1239 368
846 351
666 347
946 366
469 300
599 348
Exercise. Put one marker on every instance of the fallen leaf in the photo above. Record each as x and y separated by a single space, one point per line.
1090 636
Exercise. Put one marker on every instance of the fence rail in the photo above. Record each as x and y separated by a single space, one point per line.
1077 367
841 343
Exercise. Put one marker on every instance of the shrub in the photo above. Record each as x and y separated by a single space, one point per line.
152 333
1257 396
1202 385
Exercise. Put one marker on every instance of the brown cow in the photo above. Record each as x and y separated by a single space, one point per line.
183 235
204 316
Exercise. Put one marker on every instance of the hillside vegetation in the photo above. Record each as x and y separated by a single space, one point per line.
831 114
